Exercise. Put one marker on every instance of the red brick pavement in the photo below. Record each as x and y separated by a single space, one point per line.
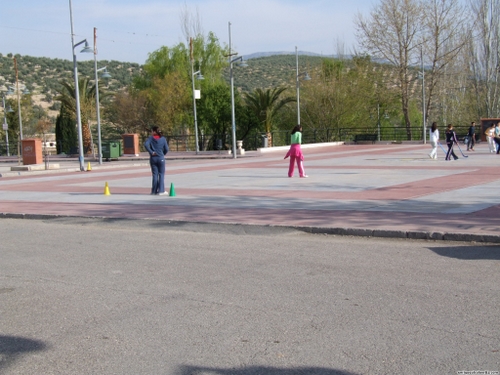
482 224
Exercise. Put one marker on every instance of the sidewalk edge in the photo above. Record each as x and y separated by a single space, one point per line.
338 231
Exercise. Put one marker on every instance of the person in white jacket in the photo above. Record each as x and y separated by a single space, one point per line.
434 140
490 136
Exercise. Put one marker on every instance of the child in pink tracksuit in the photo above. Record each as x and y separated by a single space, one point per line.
295 153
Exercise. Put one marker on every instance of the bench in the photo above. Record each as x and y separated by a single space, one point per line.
365 138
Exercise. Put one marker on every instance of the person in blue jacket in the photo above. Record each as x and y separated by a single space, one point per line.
451 139
157 146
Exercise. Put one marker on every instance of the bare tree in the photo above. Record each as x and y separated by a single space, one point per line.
484 50
190 23
446 31
394 32
128 112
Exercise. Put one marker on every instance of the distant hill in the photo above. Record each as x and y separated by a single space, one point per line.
256 55
42 75
272 71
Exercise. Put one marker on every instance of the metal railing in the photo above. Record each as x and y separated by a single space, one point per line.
279 138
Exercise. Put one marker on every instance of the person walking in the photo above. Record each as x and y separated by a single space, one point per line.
157 147
295 152
497 136
490 137
451 139
472 136
434 139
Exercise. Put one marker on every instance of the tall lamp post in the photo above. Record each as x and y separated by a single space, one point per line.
77 90
306 78
422 74
5 126
105 74
25 92
15 90
198 77
378 122
242 64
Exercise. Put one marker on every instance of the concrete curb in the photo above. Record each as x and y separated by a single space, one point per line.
355 232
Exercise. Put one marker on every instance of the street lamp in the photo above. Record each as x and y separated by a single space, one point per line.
5 126
77 90
198 77
242 64
378 122
422 75
105 74
306 78
15 90
25 92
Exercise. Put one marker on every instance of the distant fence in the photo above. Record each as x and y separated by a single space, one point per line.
257 140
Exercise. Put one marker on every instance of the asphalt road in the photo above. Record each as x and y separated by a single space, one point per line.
83 296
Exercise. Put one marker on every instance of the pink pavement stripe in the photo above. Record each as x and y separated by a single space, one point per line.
284 217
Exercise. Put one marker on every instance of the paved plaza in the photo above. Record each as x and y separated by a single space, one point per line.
381 190
225 277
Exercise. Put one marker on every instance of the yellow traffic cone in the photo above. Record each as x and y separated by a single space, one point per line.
172 190
89 167
106 189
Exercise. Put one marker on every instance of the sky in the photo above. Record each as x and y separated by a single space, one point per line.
128 30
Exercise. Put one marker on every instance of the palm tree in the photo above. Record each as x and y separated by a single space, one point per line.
87 105
266 104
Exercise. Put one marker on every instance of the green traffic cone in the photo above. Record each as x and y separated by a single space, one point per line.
172 190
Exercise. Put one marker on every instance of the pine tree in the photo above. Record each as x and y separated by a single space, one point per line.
66 137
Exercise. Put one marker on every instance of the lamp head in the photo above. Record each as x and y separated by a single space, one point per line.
199 76
87 48
105 74
306 77
243 64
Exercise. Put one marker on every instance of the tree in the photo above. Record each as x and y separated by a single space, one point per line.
12 121
43 126
446 36
168 101
484 52
31 115
394 32
66 135
87 91
266 104
166 82
128 112
214 108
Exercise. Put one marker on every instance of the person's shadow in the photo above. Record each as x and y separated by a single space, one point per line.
12 347
478 252
260 370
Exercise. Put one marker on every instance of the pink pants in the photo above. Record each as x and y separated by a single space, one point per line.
300 166
295 155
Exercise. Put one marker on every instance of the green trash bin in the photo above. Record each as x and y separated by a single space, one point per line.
111 150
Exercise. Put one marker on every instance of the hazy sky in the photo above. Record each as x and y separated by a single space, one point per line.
127 30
